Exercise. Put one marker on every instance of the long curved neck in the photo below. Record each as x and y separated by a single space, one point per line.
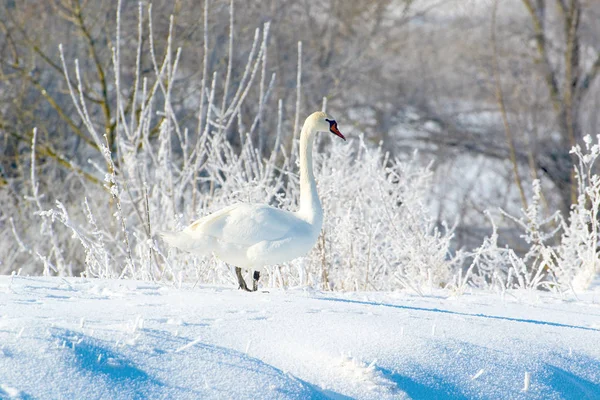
310 205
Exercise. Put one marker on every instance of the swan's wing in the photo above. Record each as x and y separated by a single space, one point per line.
245 224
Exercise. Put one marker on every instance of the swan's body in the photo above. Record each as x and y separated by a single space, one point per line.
252 236
248 235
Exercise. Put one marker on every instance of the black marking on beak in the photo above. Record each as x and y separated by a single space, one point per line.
333 128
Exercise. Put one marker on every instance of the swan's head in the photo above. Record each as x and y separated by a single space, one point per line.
324 123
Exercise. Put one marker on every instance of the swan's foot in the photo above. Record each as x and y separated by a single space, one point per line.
241 281
256 277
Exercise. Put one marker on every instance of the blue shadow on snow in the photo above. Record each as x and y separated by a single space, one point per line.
560 373
111 367
477 315
419 391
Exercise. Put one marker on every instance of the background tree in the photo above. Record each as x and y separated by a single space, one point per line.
411 74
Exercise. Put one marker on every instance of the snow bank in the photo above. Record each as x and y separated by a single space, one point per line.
87 338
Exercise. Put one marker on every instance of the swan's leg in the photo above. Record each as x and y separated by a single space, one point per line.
241 281
255 281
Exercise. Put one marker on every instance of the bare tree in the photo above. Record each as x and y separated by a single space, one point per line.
569 73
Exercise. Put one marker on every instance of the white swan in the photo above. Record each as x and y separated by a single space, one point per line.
251 236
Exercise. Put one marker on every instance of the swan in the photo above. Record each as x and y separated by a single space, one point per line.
252 236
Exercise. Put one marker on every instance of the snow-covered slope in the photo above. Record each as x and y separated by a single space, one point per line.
79 338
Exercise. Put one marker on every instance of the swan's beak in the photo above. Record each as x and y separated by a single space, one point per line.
334 129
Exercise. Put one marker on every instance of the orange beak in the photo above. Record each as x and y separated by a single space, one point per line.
334 129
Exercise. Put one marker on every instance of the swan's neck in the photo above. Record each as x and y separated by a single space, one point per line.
310 205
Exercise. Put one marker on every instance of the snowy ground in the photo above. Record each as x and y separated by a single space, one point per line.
87 339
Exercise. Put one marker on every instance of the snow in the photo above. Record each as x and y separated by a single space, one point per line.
118 339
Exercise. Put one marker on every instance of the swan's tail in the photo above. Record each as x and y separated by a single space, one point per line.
183 241
173 239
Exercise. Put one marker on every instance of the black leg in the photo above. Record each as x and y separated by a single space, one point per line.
241 281
256 277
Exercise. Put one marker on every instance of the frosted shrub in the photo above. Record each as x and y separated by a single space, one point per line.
568 261
577 256
378 233
501 268
150 173
489 267
161 175
534 269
